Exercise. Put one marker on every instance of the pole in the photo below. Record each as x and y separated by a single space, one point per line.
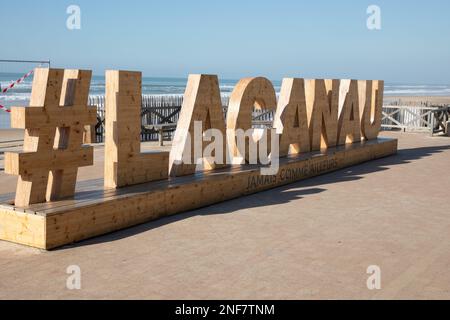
27 61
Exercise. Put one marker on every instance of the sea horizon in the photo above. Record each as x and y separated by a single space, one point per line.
20 94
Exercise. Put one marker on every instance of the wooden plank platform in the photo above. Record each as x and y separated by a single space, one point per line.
94 211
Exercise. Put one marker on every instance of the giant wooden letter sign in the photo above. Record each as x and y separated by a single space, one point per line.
371 107
54 125
291 120
248 94
124 163
312 121
322 100
349 125
203 104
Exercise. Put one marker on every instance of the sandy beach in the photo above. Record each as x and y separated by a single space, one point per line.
417 100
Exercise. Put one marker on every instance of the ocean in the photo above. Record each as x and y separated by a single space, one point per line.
20 94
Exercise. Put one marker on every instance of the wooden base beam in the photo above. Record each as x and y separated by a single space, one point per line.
97 212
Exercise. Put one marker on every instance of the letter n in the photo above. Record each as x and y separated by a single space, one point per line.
322 101
202 103
349 126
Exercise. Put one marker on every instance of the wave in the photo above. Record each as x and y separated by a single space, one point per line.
419 92
15 97
416 86
23 85
167 86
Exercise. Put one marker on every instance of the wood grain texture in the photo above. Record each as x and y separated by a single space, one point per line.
138 204
349 124
53 142
291 121
202 104
322 102
371 107
124 163
320 124
23 228
249 93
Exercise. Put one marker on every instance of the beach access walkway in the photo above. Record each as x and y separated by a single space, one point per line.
314 239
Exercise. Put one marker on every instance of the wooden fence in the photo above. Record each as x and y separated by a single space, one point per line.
416 118
165 109
159 109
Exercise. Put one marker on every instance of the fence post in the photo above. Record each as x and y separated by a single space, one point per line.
432 123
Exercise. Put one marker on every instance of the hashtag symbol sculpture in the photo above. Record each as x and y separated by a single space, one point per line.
53 142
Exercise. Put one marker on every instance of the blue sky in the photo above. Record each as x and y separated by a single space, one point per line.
311 39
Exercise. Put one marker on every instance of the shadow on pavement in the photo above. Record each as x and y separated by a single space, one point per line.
276 196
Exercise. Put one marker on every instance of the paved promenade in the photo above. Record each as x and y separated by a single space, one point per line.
311 240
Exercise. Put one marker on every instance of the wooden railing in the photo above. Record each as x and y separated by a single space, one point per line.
416 118
157 110
160 110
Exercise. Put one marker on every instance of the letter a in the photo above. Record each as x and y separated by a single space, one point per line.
202 103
